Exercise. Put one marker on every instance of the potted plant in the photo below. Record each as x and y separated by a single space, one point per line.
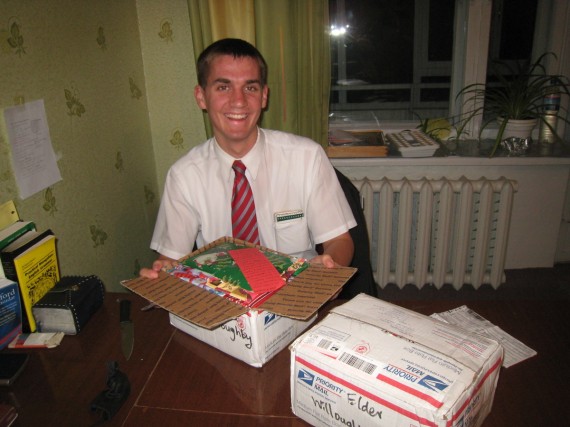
518 97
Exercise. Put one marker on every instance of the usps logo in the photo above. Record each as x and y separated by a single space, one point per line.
306 377
433 383
240 322
270 317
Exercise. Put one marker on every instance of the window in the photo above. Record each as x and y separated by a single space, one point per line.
391 57
395 61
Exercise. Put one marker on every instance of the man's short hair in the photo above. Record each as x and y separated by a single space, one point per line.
235 47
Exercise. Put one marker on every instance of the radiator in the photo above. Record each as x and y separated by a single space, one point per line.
438 231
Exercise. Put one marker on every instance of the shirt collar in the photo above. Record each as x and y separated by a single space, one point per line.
251 160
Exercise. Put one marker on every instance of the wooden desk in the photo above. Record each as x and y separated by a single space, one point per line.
58 385
177 380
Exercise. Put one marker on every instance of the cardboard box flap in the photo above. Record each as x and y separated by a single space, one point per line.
467 348
306 293
186 301
299 299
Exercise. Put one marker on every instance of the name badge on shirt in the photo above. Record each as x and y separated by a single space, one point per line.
288 215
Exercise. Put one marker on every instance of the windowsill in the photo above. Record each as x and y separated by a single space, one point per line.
468 153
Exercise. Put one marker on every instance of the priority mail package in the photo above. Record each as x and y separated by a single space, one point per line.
372 363
254 337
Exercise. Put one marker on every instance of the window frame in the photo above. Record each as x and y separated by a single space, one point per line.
470 52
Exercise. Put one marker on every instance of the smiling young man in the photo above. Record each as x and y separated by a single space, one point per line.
298 200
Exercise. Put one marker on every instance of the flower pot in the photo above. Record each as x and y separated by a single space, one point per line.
518 128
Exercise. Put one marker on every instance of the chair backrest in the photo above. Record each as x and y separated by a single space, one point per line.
363 280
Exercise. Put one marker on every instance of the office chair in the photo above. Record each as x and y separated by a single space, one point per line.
363 280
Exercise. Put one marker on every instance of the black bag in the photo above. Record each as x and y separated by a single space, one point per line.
69 304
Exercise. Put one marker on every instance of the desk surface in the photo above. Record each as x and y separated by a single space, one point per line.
177 380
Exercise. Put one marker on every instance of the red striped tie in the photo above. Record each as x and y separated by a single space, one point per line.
244 221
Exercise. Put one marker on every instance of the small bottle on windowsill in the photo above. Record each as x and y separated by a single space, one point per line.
551 106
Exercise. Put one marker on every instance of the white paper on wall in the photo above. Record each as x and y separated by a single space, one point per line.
33 158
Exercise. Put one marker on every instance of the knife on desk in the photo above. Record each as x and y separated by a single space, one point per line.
127 328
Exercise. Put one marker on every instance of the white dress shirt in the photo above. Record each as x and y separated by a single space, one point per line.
299 202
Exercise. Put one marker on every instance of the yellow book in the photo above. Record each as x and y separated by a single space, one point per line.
32 262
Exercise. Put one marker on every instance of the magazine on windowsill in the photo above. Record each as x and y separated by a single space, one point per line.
240 273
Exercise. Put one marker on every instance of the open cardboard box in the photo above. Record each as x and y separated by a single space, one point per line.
215 320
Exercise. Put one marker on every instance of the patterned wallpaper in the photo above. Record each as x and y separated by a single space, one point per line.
119 109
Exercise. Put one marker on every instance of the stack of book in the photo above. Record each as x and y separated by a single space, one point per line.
28 258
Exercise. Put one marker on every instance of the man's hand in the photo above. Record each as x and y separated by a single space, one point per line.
325 260
161 263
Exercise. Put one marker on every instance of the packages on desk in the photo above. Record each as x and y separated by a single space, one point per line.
370 362
254 337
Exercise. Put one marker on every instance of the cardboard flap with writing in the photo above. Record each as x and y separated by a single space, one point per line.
300 299
186 301
307 292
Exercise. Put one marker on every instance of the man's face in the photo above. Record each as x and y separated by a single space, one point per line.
234 98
